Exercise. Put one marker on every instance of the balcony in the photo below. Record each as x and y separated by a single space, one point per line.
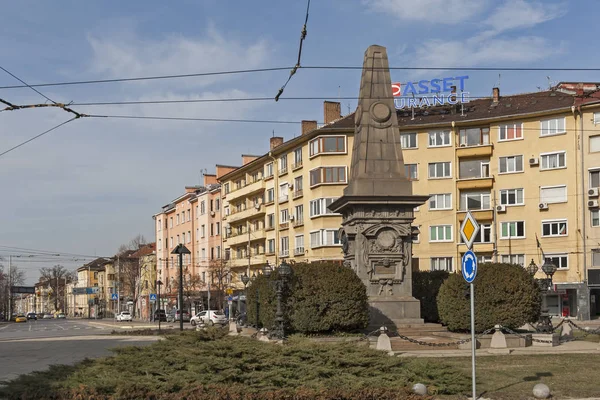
479 215
284 225
297 194
255 259
298 223
249 188
283 199
284 253
269 202
297 165
485 182
283 171
245 214
482 150
479 248
268 176
299 251
269 228
239 238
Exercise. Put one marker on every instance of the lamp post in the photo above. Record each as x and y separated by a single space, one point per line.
158 285
545 322
245 280
284 272
256 300
180 249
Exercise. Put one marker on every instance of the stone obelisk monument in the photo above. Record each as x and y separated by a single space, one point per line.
377 205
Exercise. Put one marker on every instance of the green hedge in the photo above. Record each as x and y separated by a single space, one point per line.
320 297
426 285
505 294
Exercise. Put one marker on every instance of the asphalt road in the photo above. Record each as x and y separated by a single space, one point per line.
35 345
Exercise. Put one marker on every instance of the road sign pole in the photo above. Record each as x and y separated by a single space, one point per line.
473 342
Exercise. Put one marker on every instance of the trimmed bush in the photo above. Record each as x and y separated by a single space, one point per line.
505 294
426 285
320 297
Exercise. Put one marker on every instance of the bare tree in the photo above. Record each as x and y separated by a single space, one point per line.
56 277
192 285
129 268
219 275
15 277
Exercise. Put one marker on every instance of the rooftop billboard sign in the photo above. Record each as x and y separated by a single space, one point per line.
426 93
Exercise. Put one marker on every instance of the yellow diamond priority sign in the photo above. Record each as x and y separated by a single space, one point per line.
469 229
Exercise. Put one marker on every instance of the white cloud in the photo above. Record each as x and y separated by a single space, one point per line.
516 14
128 55
434 11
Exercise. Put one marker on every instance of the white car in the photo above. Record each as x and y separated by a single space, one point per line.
123 316
209 317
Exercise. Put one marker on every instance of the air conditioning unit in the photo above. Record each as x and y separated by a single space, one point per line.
291 217
291 185
501 208
212 213
463 145
592 203
257 206
533 161
543 206
593 192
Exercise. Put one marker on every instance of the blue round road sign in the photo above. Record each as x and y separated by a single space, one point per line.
469 266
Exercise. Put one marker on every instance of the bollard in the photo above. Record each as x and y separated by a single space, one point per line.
233 328
566 331
262 335
383 341
498 343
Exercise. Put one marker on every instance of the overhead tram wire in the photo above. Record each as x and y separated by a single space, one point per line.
232 72
38 136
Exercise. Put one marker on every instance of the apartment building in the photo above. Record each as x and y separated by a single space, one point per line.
276 204
193 219
527 166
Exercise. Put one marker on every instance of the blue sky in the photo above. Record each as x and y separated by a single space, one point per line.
94 184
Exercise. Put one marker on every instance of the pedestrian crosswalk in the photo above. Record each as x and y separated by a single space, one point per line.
34 327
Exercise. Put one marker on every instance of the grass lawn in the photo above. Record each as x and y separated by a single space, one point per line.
205 365
513 377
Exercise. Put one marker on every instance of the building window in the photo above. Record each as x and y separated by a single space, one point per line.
324 237
297 157
171 222
553 126
440 201
474 137
226 188
553 194
483 236
440 170
270 221
439 138
512 230
212 230
284 216
283 163
202 231
284 251
553 160
202 207
441 264
595 178
518 259
596 257
299 245
329 175
510 132
177 219
411 172
217 204
329 144
561 260
474 201
178 240
270 195
218 252
440 233
596 118
158 225
318 207
595 218
218 228
408 140
171 241
204 254
594 144
298 184
511 164
299 214
212 253
271 246
189 237
188 215
554 228
474 169
269 170
512 197
283 192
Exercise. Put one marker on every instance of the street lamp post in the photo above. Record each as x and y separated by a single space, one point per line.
180 249
284 272
245 280
158 285
545 322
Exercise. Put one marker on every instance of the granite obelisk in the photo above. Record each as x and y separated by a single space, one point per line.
377 205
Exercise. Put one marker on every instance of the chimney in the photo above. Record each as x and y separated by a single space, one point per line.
247 158
496 94
332 111
210 179
276 141
308 126
453 92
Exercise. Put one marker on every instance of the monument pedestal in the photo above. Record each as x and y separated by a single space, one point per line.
394 311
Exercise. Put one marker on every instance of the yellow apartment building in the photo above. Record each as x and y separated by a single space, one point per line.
527 166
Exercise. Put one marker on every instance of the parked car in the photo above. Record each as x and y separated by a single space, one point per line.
174 315
61 316
47 316
32 315
209 317
20 318
160 315
123 316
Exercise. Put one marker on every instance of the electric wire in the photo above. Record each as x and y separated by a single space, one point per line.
37 136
